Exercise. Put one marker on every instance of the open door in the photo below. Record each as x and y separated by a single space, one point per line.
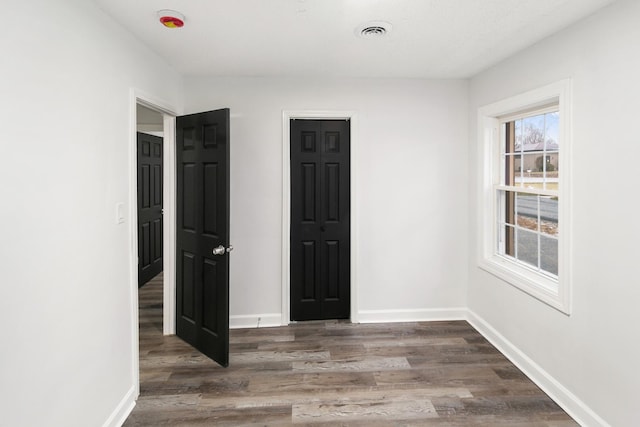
202 232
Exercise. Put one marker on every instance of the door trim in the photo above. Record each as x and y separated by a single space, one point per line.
287 115
169 113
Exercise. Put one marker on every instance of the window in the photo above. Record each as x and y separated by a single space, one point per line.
528 191
525 223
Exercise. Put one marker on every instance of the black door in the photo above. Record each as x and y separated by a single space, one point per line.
149 207
320 206
202 232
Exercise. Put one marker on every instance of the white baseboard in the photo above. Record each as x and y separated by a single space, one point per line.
122 411
417 315
568 401
255 320
365 316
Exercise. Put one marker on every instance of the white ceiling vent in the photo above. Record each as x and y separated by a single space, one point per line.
373 29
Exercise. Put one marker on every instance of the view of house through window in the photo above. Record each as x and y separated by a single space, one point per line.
528 191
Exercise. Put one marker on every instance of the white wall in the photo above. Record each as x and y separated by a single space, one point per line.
594 352
65 293
411 188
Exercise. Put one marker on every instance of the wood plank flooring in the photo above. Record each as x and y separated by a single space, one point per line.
335 373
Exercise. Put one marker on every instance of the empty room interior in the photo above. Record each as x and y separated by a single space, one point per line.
414 217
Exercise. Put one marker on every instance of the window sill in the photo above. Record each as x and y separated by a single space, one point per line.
539 286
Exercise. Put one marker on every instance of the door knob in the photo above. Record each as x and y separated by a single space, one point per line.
221 250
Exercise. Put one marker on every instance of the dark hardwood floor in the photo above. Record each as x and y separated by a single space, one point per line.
334 373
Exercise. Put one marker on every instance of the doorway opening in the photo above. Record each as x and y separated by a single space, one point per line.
156 117
149 139
145 113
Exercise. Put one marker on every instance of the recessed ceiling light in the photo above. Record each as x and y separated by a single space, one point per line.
171 18
373 29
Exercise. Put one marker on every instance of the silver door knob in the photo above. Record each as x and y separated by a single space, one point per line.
221 250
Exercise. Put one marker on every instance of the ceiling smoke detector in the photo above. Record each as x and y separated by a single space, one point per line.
171 18
374 29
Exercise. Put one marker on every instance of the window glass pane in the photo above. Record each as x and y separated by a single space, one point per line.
533 133
549 215
518 135
552 126
509 207
532 175
527 247
516 179
549 254
527 211
509 129
511 168
552 161
510 247
509 198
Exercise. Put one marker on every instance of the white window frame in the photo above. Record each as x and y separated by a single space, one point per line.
554 292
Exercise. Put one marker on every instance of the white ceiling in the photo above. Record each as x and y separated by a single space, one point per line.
429 39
